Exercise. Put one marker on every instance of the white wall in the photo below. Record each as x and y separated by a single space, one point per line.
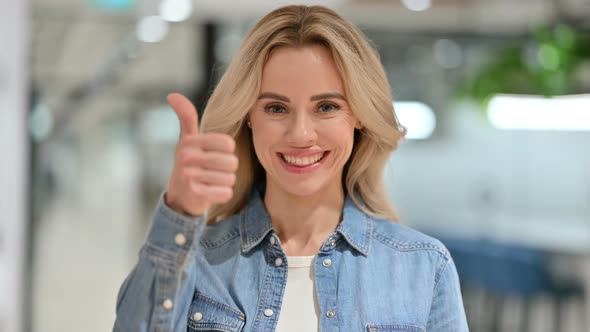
13 159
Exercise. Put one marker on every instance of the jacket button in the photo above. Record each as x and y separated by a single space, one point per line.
180 239
327 262
273 240
167 304
268 312
330 313
279 261
198 316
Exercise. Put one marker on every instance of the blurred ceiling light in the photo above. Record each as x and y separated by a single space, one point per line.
176 10
447 53
151 29
417 5
568 113
40 122
417 117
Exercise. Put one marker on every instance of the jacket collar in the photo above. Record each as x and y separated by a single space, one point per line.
356 226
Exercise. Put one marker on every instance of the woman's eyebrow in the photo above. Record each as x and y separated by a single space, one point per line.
272 95
328 95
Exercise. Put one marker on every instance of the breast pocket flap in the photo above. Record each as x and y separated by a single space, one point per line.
207 314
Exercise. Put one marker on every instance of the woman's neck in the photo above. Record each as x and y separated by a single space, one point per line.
304 222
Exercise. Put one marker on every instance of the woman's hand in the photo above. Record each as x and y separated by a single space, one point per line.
205 164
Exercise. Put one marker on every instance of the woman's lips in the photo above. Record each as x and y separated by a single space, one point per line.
302 160
302 164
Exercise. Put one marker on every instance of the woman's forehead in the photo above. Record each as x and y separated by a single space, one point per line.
309 68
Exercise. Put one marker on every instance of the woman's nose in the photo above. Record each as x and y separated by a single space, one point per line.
301 131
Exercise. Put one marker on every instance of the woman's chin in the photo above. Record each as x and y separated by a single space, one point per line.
301 188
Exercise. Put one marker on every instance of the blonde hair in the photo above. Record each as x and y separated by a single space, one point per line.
366 88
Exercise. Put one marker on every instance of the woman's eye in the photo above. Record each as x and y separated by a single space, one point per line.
275 108
327 108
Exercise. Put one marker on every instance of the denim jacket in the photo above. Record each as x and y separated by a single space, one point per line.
371 274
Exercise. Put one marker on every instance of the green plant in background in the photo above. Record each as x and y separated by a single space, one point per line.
544 66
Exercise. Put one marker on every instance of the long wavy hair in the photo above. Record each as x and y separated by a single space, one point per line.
366 87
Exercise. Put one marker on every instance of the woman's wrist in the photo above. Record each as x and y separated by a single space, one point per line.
172 204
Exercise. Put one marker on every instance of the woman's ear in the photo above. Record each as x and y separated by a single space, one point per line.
358 125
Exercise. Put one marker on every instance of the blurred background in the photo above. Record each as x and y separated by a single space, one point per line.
495 95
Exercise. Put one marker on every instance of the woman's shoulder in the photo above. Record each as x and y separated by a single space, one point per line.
404 238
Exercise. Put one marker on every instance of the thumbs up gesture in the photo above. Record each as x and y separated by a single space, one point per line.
205 164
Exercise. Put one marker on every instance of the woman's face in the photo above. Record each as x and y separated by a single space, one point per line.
302 126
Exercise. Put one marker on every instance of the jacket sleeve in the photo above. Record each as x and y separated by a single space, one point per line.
156 295
447 313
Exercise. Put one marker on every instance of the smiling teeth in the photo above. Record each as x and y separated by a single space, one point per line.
304 161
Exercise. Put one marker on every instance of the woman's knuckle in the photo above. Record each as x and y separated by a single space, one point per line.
230 144
232 179
184 157
189 174
202 158
235 163
229 193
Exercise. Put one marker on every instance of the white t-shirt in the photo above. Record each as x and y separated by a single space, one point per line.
299 310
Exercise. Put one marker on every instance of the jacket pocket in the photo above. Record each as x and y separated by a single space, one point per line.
394 328
207 314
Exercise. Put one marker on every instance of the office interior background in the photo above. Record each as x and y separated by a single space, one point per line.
495 95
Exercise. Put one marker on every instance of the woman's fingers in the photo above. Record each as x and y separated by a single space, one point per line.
210 142
209 177
212 194
205 164
215 161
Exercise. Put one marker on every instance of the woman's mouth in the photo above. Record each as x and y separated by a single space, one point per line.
302 164
302 161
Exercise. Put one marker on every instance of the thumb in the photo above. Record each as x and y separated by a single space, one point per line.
186 112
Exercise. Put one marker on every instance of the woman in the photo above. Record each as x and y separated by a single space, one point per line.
276 217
